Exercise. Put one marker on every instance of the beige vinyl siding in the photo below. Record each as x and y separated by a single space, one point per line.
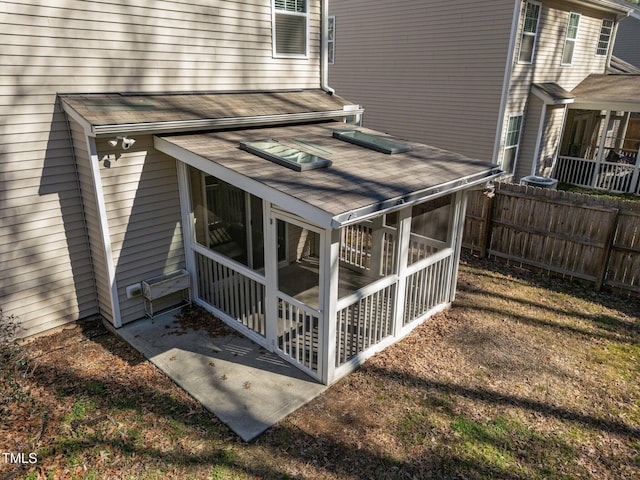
426 71
528 137
142 203
546 67
554 122
68 46
46 275
93 221
627 40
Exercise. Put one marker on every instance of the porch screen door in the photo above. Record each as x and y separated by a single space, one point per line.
299 293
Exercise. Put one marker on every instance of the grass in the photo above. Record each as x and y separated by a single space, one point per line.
526 377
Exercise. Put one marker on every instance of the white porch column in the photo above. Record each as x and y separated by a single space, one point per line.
404 237
271 276
332 263
603 139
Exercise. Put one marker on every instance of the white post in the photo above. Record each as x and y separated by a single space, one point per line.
331 261
404 237
603 139
458 231
271 276
187 225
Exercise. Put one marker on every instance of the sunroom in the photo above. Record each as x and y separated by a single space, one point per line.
320 240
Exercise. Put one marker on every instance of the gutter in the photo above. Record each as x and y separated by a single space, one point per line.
324 43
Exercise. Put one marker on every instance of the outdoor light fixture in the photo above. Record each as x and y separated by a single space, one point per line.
126 142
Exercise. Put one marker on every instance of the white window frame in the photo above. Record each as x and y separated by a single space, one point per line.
533 34
509 146
568 39
608 35
331 39
279 11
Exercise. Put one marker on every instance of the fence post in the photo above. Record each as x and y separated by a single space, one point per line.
487 217
604 265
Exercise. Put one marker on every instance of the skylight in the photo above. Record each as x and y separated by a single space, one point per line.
378 143
286 155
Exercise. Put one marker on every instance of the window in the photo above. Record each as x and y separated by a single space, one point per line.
373 142
290 28
570 39
529 32
512 143
605 37
286 155
331 40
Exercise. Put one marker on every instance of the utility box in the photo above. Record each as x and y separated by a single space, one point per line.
537 181
162 286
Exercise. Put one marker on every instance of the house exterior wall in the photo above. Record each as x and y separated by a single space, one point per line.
145 240
73 46
628 39
433 71
547 65
427 71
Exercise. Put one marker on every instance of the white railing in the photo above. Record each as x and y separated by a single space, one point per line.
612 176
232 292
428 287
364 319
355 245
299 334
421 247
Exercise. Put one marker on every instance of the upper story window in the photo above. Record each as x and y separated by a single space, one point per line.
570 39
529 32
605 37
331 40
290 28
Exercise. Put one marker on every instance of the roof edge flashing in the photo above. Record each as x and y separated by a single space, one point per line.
219 123
429 193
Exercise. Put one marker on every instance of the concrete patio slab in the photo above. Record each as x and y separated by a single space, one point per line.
244 385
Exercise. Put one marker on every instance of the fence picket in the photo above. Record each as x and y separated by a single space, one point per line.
574 235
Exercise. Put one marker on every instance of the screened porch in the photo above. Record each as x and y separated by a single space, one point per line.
324 267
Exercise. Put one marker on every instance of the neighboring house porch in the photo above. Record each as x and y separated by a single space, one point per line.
601 138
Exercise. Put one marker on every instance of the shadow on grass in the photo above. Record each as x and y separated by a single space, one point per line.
118 409
609 326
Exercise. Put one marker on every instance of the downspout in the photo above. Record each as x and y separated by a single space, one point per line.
324 43
506 83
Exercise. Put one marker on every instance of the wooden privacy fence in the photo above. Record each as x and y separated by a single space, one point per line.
574 235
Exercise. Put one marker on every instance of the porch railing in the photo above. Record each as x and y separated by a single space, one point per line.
364 319
612 176
231 292
428 286
299 331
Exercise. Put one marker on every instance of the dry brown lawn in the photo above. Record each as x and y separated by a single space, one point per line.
526 377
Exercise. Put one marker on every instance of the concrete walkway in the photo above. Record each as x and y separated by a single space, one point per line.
244 385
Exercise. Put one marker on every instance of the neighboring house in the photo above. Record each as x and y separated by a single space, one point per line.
627 44
492 80
199 143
